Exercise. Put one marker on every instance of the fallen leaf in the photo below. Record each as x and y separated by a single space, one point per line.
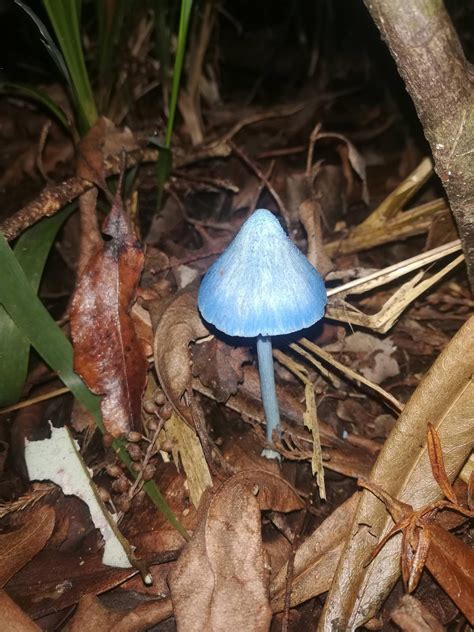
451 562
13 618
375 355
445 397
20 546
102 141
219 366
176 323
107 352
412 616
315 560
58 459
91 616
187 449
220 581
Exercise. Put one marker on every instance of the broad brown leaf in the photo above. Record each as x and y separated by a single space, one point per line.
220 582
445 397
107 352
176 323
20 546
315 560
451 562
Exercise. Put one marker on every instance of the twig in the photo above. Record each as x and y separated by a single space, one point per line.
53 198
259 173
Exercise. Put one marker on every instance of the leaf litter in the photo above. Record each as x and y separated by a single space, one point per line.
369 389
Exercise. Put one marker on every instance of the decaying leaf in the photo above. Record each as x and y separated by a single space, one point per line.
219 366
17 548
91 616
187 448
221 581
13 617
58 460
316 559
445 398
176 324
107 352
412 616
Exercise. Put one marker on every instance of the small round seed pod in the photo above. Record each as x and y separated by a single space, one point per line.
123 503
148 472
134 451
134 437
114 470
166 411
107 440
149 406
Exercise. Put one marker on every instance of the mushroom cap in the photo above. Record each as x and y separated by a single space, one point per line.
261 284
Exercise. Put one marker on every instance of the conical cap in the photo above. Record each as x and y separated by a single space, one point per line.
262 284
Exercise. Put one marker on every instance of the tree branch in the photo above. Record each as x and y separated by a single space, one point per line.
429 57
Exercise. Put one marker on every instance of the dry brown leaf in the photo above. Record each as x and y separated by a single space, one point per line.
176 323
13 618
20 546
92 616
102 140
107 353
451 562
445 397
316 559
220 582
412 616
219 366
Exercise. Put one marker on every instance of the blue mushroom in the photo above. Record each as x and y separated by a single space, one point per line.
262 286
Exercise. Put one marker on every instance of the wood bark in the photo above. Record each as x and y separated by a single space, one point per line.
430 59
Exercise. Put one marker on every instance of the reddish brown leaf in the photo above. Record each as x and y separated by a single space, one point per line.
107 353
20 546
451 562
221 581
176 323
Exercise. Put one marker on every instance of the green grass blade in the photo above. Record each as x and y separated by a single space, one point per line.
186 6
65 18
35 94
31 252
35 322
47 41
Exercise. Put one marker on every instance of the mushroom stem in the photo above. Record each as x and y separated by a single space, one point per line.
267 388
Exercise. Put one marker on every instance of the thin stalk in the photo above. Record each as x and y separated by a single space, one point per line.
268 390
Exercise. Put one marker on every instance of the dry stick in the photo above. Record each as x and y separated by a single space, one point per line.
53 198
351 374
386 275
259 173
34 400
260 188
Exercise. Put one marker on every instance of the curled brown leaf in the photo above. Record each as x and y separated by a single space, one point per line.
176 323
221 579
107 352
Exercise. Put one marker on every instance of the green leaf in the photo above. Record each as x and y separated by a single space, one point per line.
186 6
65 18
34 321
47 41
31 252
35 94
